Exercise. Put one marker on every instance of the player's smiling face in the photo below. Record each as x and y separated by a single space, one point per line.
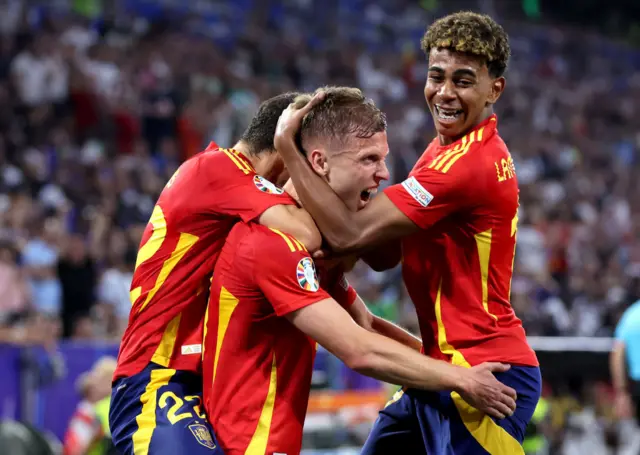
355 170
460 92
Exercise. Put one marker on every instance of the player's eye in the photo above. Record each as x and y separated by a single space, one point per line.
464 83
370 159
434 77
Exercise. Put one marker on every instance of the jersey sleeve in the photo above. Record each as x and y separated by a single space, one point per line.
286 273
241 193
429 195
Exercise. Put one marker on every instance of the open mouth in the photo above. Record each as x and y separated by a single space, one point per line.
366 195
447 115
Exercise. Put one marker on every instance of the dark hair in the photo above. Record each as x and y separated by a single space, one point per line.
344 112
259 134
471 33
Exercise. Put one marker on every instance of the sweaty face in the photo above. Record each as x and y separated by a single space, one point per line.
355 171
460 92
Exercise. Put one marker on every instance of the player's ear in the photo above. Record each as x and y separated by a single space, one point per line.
318 162
497 87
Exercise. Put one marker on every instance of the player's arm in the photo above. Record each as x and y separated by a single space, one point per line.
617 367
383 257
387 360
286 276
618 370
295 221
369 321
382 219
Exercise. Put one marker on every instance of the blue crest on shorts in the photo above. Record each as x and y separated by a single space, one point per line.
202 435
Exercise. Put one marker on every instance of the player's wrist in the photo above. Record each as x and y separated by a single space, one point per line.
456 379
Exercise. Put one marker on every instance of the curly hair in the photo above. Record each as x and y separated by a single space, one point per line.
471 33
344 112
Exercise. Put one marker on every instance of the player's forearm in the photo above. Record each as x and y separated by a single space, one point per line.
338 224
390 330
304 228
617 366
295 221
384 257
391 362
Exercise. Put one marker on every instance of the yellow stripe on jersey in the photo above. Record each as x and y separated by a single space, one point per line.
456 356
185 242
300 246
491 436
163 353
260 439
152 245
243 159
238 161
483 242
204 331
436 163
292 243
227 304
480 131
460 154
146 420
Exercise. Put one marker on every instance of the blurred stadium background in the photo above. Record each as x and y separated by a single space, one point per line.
101 100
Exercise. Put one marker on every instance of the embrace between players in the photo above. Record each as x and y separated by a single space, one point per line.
229 304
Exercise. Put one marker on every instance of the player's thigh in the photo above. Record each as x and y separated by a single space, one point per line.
475 433
411 422
157 412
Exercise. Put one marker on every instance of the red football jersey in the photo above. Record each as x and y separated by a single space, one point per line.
458 267
257 366
179 248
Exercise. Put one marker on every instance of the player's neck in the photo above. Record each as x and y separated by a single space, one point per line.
448 140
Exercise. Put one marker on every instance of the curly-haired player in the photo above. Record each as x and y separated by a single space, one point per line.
456 217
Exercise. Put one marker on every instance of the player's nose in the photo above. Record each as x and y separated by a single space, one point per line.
382 173
446 91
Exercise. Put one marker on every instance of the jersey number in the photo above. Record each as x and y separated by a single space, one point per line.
172 413
152 246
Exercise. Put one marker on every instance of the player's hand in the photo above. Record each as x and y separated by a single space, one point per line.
484 392
291 119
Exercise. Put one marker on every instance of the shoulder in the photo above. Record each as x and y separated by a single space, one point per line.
267 244
214 165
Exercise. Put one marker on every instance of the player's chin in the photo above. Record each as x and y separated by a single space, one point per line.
454 131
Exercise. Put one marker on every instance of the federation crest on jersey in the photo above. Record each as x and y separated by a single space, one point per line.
266 186
306 275
202 435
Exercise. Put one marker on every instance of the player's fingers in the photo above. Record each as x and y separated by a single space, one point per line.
503 409
493 412
496 367
509 402
511 392
317 99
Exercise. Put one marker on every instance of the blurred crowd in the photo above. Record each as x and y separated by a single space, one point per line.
96 114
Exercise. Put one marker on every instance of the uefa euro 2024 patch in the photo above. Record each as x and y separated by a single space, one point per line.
306 274
417 191
266 186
